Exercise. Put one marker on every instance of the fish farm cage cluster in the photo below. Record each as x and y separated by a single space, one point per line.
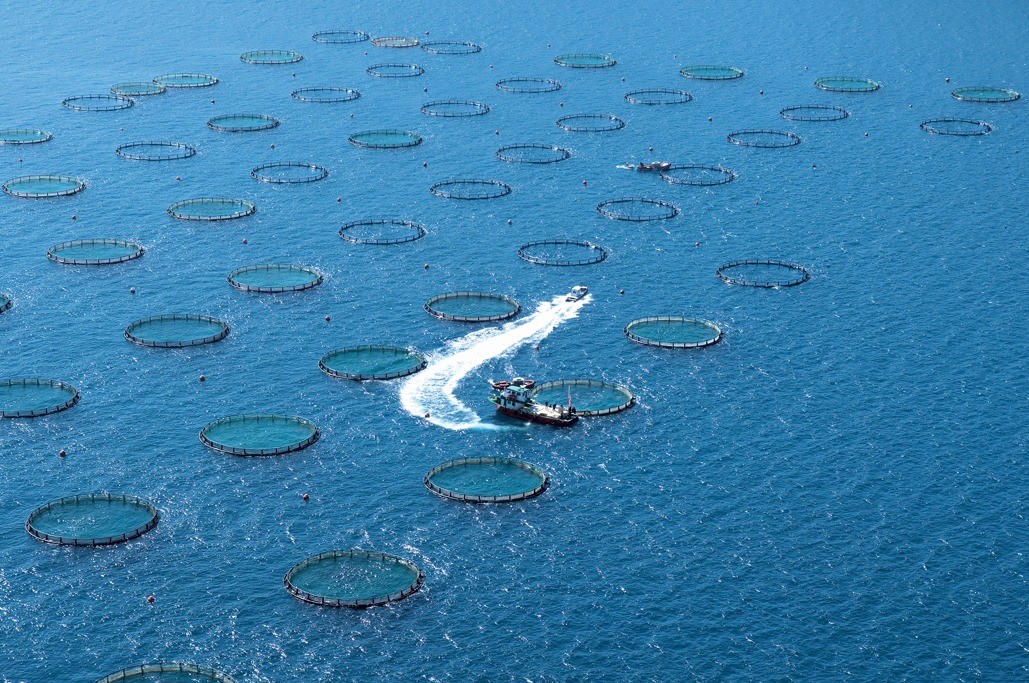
530 153
26 398
371 362
71 518
785 274
560 253
155 151
472 307
317 573
274 279
486 480
382 231
98 252
194 673
259 435
176 331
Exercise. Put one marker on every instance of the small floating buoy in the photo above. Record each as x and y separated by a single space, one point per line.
509 221
212 101
491 66
132 290
351 116
910 105
426 415
805 68
496 132
150 599
651 149
760 92
426 33
756 202
74 217
536 347
366 52
203 378
19 161
621 291
696 244
561 104
814 165
272 145
306 497
623 79
244 240
328 318
947 79
584 183
426 266
339 199
178 177
63 453
866 135
294 74
121 129
709 118
425 164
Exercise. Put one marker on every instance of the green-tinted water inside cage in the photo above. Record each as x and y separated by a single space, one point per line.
43 186
176 330
24 398
474 306
487 479
271 276
372 361
354 578
259 433
585 397
675 331
96 518
95 252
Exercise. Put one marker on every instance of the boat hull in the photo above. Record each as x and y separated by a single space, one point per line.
534 417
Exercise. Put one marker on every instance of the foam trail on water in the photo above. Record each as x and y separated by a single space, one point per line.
432 390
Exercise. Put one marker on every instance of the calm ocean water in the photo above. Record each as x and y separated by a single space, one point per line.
836 491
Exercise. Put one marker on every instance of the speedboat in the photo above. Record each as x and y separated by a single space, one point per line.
578 291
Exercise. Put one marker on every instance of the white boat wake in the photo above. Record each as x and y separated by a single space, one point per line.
431 391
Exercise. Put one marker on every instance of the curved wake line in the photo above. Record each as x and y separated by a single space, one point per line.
432 390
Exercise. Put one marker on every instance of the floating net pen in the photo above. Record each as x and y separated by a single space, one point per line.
24 136
382 231
526 84
98 102
385 139
591 398
590 123
711 72
697 175
673 332
846 84
271 57
763 138
762 273
176 331
142 89
289 173
394 41
394 70
585 61
561 253
242 123
655 96
155 151
472 307
370 362
340 37
168 672
451 47
25 398
211 209
528 153
953 126
985 93
486 480
454 108
471 189
325 94
353 578
186 80
96 252
274 279
92 519
814 112
637 209
43 186
259 435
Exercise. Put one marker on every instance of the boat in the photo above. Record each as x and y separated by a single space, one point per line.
659 166
514 399
578 291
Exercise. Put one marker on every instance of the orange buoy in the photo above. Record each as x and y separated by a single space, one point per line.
150 599
63 453
426 415
306 497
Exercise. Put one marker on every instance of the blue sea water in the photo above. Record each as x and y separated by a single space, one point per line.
835 491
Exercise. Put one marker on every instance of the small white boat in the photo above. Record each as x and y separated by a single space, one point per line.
578 291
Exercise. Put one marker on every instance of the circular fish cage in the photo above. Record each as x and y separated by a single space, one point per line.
143 89
385 139
471 189
186 80
169 672
528 84
382 231
528 153
673 332
451 47
289 173
985 93
98 102
326 94
394 41
590 123
394 70
5 302
486 480
585 61
98 252
271 57
763 273
655 96
176 331
92 519
353 578
846 84
340 37
155 151
211 209
637 209
814 112
590 397
454 108
43 186
697 175
21 398
274 279
23 136
371 362
472 307
242 123
711 72
959 127
259 435
561 253
764 138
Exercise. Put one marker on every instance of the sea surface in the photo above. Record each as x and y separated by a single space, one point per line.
836 491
